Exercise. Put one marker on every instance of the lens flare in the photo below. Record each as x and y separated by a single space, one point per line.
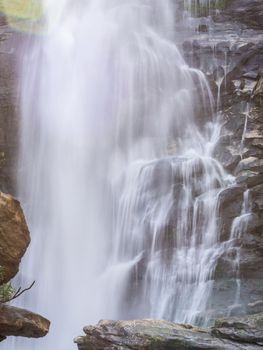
23 15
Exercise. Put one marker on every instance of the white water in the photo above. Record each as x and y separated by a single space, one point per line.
117 180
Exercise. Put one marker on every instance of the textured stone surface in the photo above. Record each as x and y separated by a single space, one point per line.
8 106
23 323
230 53
248 329
163 335
14 236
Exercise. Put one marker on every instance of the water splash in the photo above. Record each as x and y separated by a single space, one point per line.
247 114
238 230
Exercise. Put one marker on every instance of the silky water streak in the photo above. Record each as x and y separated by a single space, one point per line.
116 175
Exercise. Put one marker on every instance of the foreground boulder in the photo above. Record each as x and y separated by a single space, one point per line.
14 236
18 322
247 329
234 333
14 240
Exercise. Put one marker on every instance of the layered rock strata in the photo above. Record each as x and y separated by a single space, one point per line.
228 334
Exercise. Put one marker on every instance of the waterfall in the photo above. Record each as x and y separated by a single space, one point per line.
117 175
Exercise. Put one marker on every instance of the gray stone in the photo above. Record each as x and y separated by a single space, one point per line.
256 307
164 335
248 329
250 164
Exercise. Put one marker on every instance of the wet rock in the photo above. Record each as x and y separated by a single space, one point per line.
203 28
247 12
227 199
249 179
228 157
18 322
14 236
164 335
257 197
2 338
160 177
251 262
8 104
248 329
229 206
236 310
258 92
256 307
254 224
250 164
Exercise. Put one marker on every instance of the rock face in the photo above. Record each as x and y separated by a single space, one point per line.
228 334
8 107
14 236
227 46
23 323
248 329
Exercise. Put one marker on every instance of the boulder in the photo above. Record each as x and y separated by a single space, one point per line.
14 236
164 335
250 164
19 322
247 329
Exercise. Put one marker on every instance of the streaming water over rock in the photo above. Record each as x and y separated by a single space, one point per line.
118 178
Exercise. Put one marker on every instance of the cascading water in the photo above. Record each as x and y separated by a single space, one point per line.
117 177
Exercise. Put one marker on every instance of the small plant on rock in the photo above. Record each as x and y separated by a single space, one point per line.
7 292
6 289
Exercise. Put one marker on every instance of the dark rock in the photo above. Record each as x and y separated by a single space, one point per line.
256 307
23 323
14 236
257 197
251 262
247 12
229 206
247 329
250 179
258 92
229 201
254 224
2 338
250 164
203 28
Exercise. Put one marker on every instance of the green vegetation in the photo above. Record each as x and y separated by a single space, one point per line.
6 290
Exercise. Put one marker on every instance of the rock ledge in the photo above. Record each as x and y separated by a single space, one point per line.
228 334
19 322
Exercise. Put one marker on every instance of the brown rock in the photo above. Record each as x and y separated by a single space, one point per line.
14 236
23 323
